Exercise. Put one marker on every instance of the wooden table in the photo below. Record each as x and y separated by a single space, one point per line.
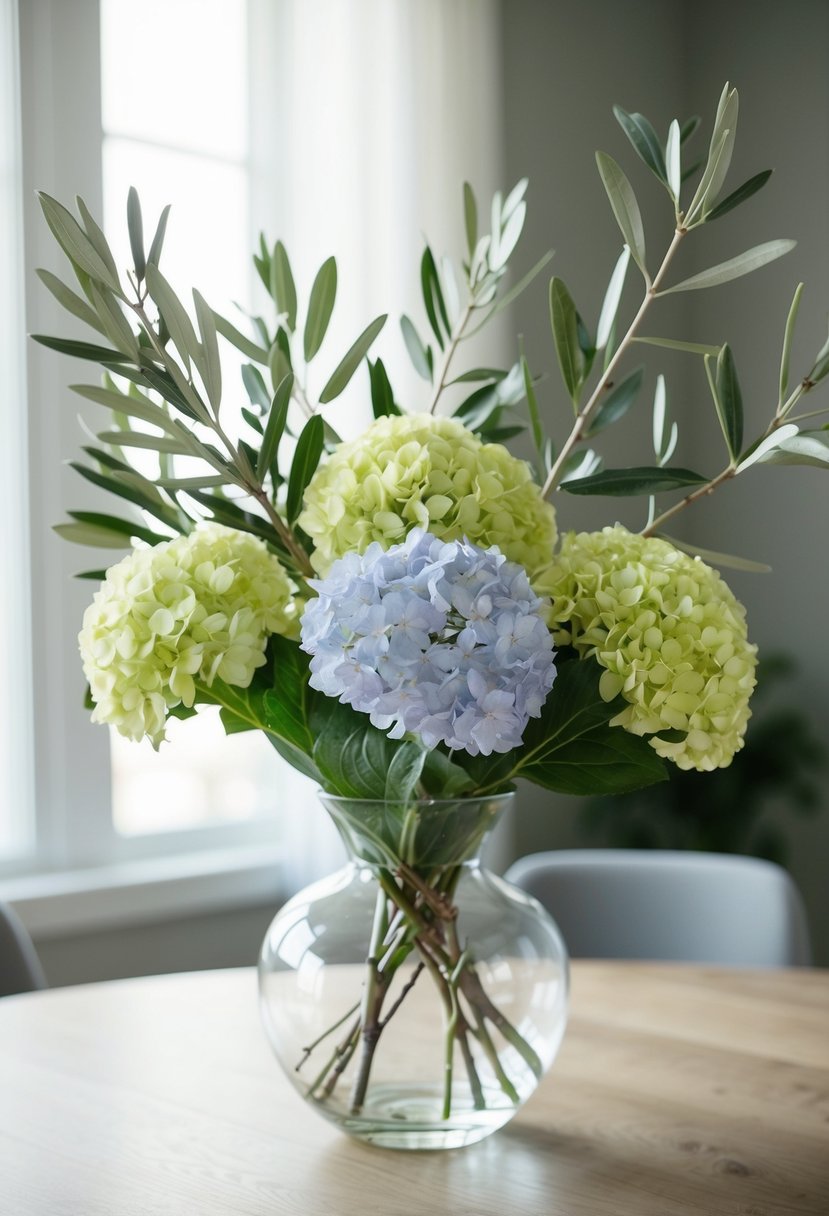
678 1090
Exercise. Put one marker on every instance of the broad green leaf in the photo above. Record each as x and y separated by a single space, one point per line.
306 458
288 702
788 337
275 427
404 771
248 347
718 559
643 138
729 401
625 208
352 755
382 394
470 216
351 360
75 243
69 300
691 348
208 363
444 778
126 527
572 748
809 447
672 159
174 313
724 272
433 297
82 350
420 355
613 296
617 403
760 449
641 480
282 286
564 323
320 307
739 195
135 227
154 256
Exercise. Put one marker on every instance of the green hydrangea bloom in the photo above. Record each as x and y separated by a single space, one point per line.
669 633
416 470
200 605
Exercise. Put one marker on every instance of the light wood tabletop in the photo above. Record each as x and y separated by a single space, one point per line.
678 1090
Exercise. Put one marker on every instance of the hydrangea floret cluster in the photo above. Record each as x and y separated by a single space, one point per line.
432 473
441 639
199 606
669 633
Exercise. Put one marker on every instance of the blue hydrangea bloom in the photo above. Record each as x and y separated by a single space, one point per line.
440 639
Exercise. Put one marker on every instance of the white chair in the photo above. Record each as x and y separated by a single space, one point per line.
20 969
682 906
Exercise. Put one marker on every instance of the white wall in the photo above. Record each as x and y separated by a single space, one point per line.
564 67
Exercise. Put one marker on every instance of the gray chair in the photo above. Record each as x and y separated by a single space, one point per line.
682 906
20 969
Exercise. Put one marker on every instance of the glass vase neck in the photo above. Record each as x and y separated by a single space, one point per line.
418 833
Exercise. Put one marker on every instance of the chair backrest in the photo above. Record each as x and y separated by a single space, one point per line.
683 906
20 969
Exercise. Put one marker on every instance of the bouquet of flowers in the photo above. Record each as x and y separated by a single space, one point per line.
395 611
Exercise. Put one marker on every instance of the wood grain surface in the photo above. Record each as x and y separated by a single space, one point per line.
678 1090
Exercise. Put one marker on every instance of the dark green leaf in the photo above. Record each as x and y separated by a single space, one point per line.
208 362
127 527
95 536
641 480
688 128
130 493
420 355
353 756
470 216
306 458
433 297
275 427
82 350
444 778
573 749
644 139
96 236
282 285
135 227
351 360
729 401
288 703
564 322
739 195
174 313
616 403
320 307
382 394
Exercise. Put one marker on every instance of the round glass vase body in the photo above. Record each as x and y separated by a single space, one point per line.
412 997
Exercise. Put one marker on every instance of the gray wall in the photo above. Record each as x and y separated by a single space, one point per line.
564 67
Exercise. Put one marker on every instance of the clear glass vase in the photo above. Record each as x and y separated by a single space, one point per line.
412 997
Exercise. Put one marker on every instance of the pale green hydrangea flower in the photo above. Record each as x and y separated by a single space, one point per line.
669 633
200 605
419 471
